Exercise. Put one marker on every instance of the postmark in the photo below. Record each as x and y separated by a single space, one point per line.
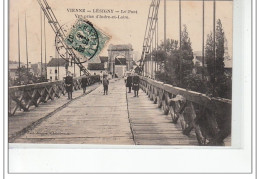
81 40
62 48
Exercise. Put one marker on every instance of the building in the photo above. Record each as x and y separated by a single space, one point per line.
120 66
116 56
97 64
228 67
57 69
13 67
100 63
104 60
36 68
197 61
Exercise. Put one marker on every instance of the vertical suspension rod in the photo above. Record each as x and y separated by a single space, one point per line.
203 28
180 80
19 51
41 39
214 44
26 46
45 47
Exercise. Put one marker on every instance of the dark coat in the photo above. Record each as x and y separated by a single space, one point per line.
136 81
129 81
69 83
84 82
105 82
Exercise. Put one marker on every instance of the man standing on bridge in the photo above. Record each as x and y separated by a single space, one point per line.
129 82
105 84
69 85
136 81
101 76
84 83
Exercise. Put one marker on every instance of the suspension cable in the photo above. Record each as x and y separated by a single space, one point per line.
60 33
149 32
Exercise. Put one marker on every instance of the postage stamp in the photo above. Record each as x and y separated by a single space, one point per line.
85 39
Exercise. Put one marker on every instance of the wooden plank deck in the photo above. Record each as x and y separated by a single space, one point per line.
22 120
92 119
117 118
151 127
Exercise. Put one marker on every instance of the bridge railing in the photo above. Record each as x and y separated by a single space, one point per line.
25 96
210 118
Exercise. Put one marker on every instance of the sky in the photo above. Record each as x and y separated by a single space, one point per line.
121 31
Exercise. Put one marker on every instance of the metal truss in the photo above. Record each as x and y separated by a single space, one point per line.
52 20
150 29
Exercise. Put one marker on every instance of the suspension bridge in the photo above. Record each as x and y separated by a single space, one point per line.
162 114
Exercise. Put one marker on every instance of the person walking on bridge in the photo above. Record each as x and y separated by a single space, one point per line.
84 83
136 81
105 84
129 83
69 85
101 76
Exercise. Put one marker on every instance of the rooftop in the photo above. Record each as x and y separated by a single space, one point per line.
120 47
103 59
199 58
120 61
57 62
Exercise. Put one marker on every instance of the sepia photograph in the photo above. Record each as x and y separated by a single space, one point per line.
120 72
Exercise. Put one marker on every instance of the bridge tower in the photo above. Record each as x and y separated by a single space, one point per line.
60 34
114 51
151 36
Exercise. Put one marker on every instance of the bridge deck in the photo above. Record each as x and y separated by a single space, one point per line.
116 118
151 127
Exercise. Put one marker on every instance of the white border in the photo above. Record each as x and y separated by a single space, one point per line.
156 160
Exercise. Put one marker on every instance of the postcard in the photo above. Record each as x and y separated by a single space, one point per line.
121 74
148 72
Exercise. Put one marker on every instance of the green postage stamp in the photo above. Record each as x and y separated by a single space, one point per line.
86 39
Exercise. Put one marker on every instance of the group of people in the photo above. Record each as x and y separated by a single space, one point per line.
69 84
132 82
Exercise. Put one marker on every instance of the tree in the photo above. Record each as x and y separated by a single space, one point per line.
186 57
220 40
167 73
25 77
171 45
209 57
159 57
220 84
175 59
187 53
173 67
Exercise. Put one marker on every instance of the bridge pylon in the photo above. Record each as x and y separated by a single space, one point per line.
56 27
151 27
